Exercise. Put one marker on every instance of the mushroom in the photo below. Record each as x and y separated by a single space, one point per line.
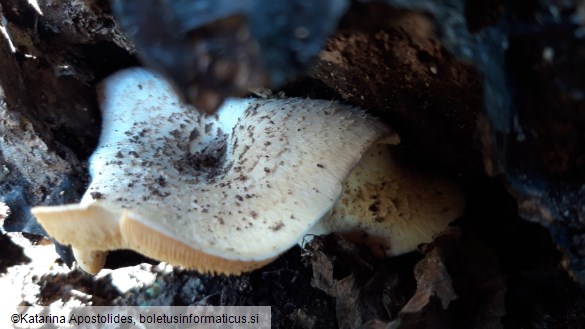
230 192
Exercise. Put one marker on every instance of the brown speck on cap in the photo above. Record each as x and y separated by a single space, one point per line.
277 226
161 181
97 195
193 135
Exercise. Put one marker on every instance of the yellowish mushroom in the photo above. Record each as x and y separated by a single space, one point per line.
230 192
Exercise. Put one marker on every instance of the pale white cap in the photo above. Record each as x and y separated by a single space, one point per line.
224 193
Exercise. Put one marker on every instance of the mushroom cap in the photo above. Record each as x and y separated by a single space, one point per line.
224 193
391 208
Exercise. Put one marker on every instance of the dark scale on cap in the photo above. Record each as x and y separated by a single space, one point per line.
277 226
161 181
176 133
97 195
194 135
208 128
